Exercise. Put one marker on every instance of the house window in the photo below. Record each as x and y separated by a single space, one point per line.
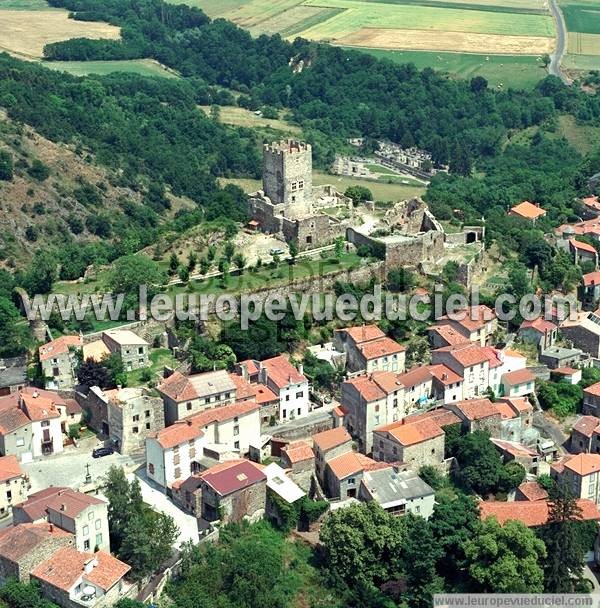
136 417
45 423
8 495
147 426
86 530
299 394
150 468
86 545
141 350
135 429
177 473
351 481
236 430
287 397
236 445
20 442
188 405
98 524
98 539
299 411
147 413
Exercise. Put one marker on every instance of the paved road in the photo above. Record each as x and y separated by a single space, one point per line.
68 468
550 429
561 42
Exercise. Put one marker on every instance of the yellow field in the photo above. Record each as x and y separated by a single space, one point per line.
421 40
584 44
240 117
24 33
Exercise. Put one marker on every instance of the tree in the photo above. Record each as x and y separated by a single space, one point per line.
565 552
16 594
13 335
362 544
206 354
229 251
293 244
505 559
38 170
546 60
6 166
204 266
183 273
129 273
480 463
511 476
400 279
431 476
358 194
41 274
338 247
173 263
92 373
239 261
192 261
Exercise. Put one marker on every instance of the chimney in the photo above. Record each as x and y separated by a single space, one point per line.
301 369
167 371
51 528
35 394
63 507
189 422
89 565
444 376
244 370
119 387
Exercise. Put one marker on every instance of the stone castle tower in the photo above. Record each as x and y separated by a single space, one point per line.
287 176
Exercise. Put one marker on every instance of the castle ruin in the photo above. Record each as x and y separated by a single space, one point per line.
289 206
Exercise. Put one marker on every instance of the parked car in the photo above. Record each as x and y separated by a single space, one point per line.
99 452
276 251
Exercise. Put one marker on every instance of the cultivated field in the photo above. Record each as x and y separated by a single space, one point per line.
143 67
582 18
499 39
25 32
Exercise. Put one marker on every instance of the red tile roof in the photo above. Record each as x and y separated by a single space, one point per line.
326 440
352 463
375 385
582 246
412 433
477 409
593 389
539 324
532 490
444 374
176 434
472 318
520 376
60 346
513 448
264 394
298 451
441 416
493 355
527 210
466 355
448 334
519 404
380 348
66 566
17 541
281 372
586 425
9 468
583 464
178 387
505 410
363 333
415 376
591 278
530 513
234 478
69 503
565 371
243 389
591 201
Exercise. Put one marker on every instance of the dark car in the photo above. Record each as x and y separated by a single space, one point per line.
99 452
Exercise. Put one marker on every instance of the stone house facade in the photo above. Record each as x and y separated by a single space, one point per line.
15 484
58 360
132 349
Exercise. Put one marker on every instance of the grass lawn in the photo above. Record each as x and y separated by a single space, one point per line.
269 277
143 67
241 117
517 71
159 357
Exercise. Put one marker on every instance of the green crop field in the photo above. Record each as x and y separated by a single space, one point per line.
519 71
143 67
582 18
24 5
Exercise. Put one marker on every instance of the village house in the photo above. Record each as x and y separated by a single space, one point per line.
518 383
478 415
186 395
476 324
24 546
447 385
559 356
584 333
371 400
58 360
445 335
527 211
469 361
591 400
511 451
344 473
570 375
220 433
530 513
299 459
289 384
589 290
581 473
368 349
30 424
418 443
127 416
530 490
585 435
84 516
232 492
13 375
132 349
583 252
540 332
74 578
516 418
418 388
590 207
398 492
14 484
328 445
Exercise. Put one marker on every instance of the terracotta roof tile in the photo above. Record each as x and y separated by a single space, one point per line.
234 478
472 318
441 416
591 201
380 348
586 425
243 388
506 412
376 385
9 468
264 394
444 374
60 346
363 333
531 513
520 376
532 490
412 433
519 404
281 372
513 448
448 334
298 451
326 440
583 464
466 355
353 463
527 210
17 541
565 371
66 566
70 503
593 389
539 324
178 387
582 246
415 376
477 409
591 278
